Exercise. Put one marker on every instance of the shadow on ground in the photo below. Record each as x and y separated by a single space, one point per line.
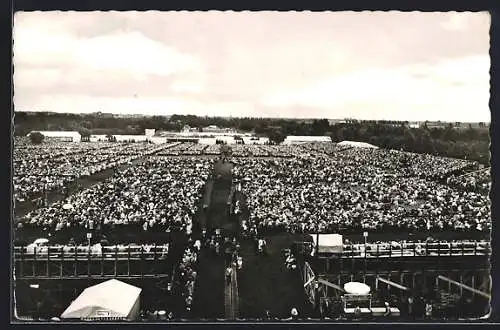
265 283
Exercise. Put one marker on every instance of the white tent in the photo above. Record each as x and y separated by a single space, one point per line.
356 144
328 243
296 139
112 299
357 288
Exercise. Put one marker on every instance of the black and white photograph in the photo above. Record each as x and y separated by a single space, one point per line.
247 166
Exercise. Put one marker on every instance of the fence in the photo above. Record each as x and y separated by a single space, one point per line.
417 249
90 261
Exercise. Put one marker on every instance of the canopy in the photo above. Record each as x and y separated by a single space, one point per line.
110 299
357 288
328 243
356 144
39 241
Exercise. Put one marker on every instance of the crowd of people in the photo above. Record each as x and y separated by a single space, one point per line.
184 149
157 195
354 190
297 188
41 169
326 186
187 275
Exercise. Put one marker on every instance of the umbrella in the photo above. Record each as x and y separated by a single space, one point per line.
67 206
40 241
357 288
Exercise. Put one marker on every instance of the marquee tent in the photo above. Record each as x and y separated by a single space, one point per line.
328 243
295 139
112 299
356 144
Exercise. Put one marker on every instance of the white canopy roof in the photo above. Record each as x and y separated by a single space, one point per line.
113 296
306 138
357 144
357 288
328 243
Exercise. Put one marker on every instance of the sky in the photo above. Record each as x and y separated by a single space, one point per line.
365 65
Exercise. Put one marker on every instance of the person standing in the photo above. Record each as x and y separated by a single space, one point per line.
410 307
387 312
229 271
428 310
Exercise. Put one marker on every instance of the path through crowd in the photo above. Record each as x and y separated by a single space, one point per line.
266 284
209 291
209 302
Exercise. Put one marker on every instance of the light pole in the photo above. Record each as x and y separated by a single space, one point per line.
365 235
316 283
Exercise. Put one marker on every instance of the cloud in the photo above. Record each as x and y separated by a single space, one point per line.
193 86
436 89
263 64
142 105
456 22
123 51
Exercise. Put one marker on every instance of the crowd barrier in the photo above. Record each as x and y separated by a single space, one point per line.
417 249
82 252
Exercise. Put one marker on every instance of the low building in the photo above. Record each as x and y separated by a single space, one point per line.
150 132
215 129
60 136
295 139
255 140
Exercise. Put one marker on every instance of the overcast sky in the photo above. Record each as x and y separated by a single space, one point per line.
385 65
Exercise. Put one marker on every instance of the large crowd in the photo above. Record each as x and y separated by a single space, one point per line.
353 190
157 195
41 169
297 188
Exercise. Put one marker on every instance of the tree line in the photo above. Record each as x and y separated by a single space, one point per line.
445 140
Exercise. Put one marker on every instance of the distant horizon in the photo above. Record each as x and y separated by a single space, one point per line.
407 66
241 117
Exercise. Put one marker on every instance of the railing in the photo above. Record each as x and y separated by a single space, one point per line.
76 262
85 253
438 249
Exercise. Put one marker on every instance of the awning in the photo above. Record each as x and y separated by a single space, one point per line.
328 243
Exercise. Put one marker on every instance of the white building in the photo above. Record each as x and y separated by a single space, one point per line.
215 129
130 138
61 136
295 139
149 132
255 140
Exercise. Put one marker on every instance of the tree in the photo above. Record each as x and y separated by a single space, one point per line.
85 133
276 136
36 137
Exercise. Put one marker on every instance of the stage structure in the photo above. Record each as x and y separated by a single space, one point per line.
402 268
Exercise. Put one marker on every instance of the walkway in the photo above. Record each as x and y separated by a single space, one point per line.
265 283
231 297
